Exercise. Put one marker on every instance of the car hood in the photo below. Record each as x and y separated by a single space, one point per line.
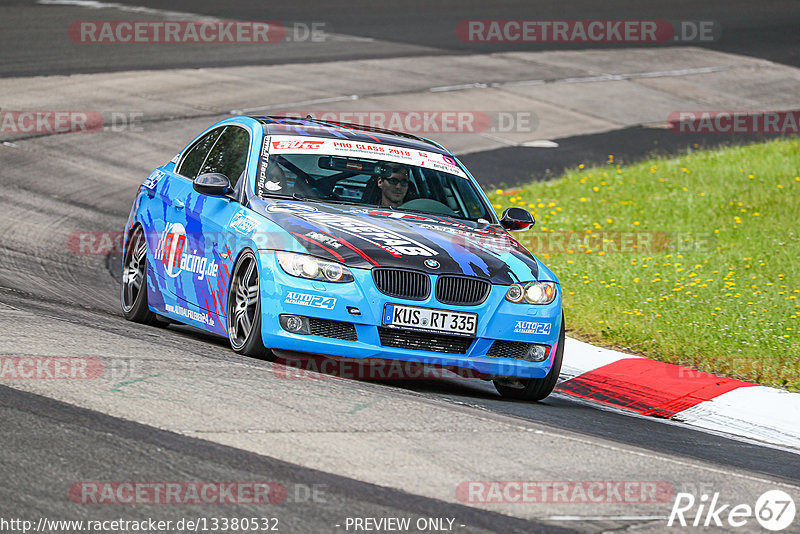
365 237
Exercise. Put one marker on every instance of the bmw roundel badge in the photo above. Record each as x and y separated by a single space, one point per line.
432 264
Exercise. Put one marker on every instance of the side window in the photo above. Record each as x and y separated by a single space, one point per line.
196 155
229 155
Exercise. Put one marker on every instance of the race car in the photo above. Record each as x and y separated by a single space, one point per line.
300 236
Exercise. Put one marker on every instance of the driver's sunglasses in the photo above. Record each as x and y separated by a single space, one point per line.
397 181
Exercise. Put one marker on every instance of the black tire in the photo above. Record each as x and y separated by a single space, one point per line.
134 281
536 389
244 309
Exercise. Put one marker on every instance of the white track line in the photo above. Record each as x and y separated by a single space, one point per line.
583 79
92 4
180 15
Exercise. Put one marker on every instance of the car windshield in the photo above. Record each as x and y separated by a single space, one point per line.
371 182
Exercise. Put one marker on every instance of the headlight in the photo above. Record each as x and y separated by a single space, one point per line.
532 292
305 266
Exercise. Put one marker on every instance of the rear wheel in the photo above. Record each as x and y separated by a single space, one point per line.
535 389
134 281
244 309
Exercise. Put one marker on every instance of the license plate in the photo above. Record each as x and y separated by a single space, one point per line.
445 321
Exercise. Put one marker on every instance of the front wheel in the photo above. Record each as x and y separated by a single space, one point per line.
536 389
244 309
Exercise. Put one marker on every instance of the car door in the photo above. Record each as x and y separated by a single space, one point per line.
206 273
169 223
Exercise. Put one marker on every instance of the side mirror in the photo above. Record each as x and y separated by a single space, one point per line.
516 219
212 183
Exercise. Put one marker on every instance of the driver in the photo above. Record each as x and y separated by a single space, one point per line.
394 188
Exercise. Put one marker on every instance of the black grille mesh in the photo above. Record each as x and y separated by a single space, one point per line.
398 283
334 329
407 339
462 290
509 349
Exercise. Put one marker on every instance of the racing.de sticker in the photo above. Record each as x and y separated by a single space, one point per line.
170 252
530 327
313 301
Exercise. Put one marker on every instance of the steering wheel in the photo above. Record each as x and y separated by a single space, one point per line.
428 205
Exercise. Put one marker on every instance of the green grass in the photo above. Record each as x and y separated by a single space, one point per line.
693 260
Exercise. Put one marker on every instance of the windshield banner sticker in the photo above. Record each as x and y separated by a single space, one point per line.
324 146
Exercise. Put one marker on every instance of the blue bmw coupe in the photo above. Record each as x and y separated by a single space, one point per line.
292 236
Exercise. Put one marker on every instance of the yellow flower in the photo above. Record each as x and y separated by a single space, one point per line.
580 166
583 199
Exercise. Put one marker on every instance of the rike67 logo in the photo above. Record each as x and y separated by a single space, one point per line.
774 510
170 252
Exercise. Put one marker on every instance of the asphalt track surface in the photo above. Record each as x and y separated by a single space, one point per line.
769 30
107 448
52 298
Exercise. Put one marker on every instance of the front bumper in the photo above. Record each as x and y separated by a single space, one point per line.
498 320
